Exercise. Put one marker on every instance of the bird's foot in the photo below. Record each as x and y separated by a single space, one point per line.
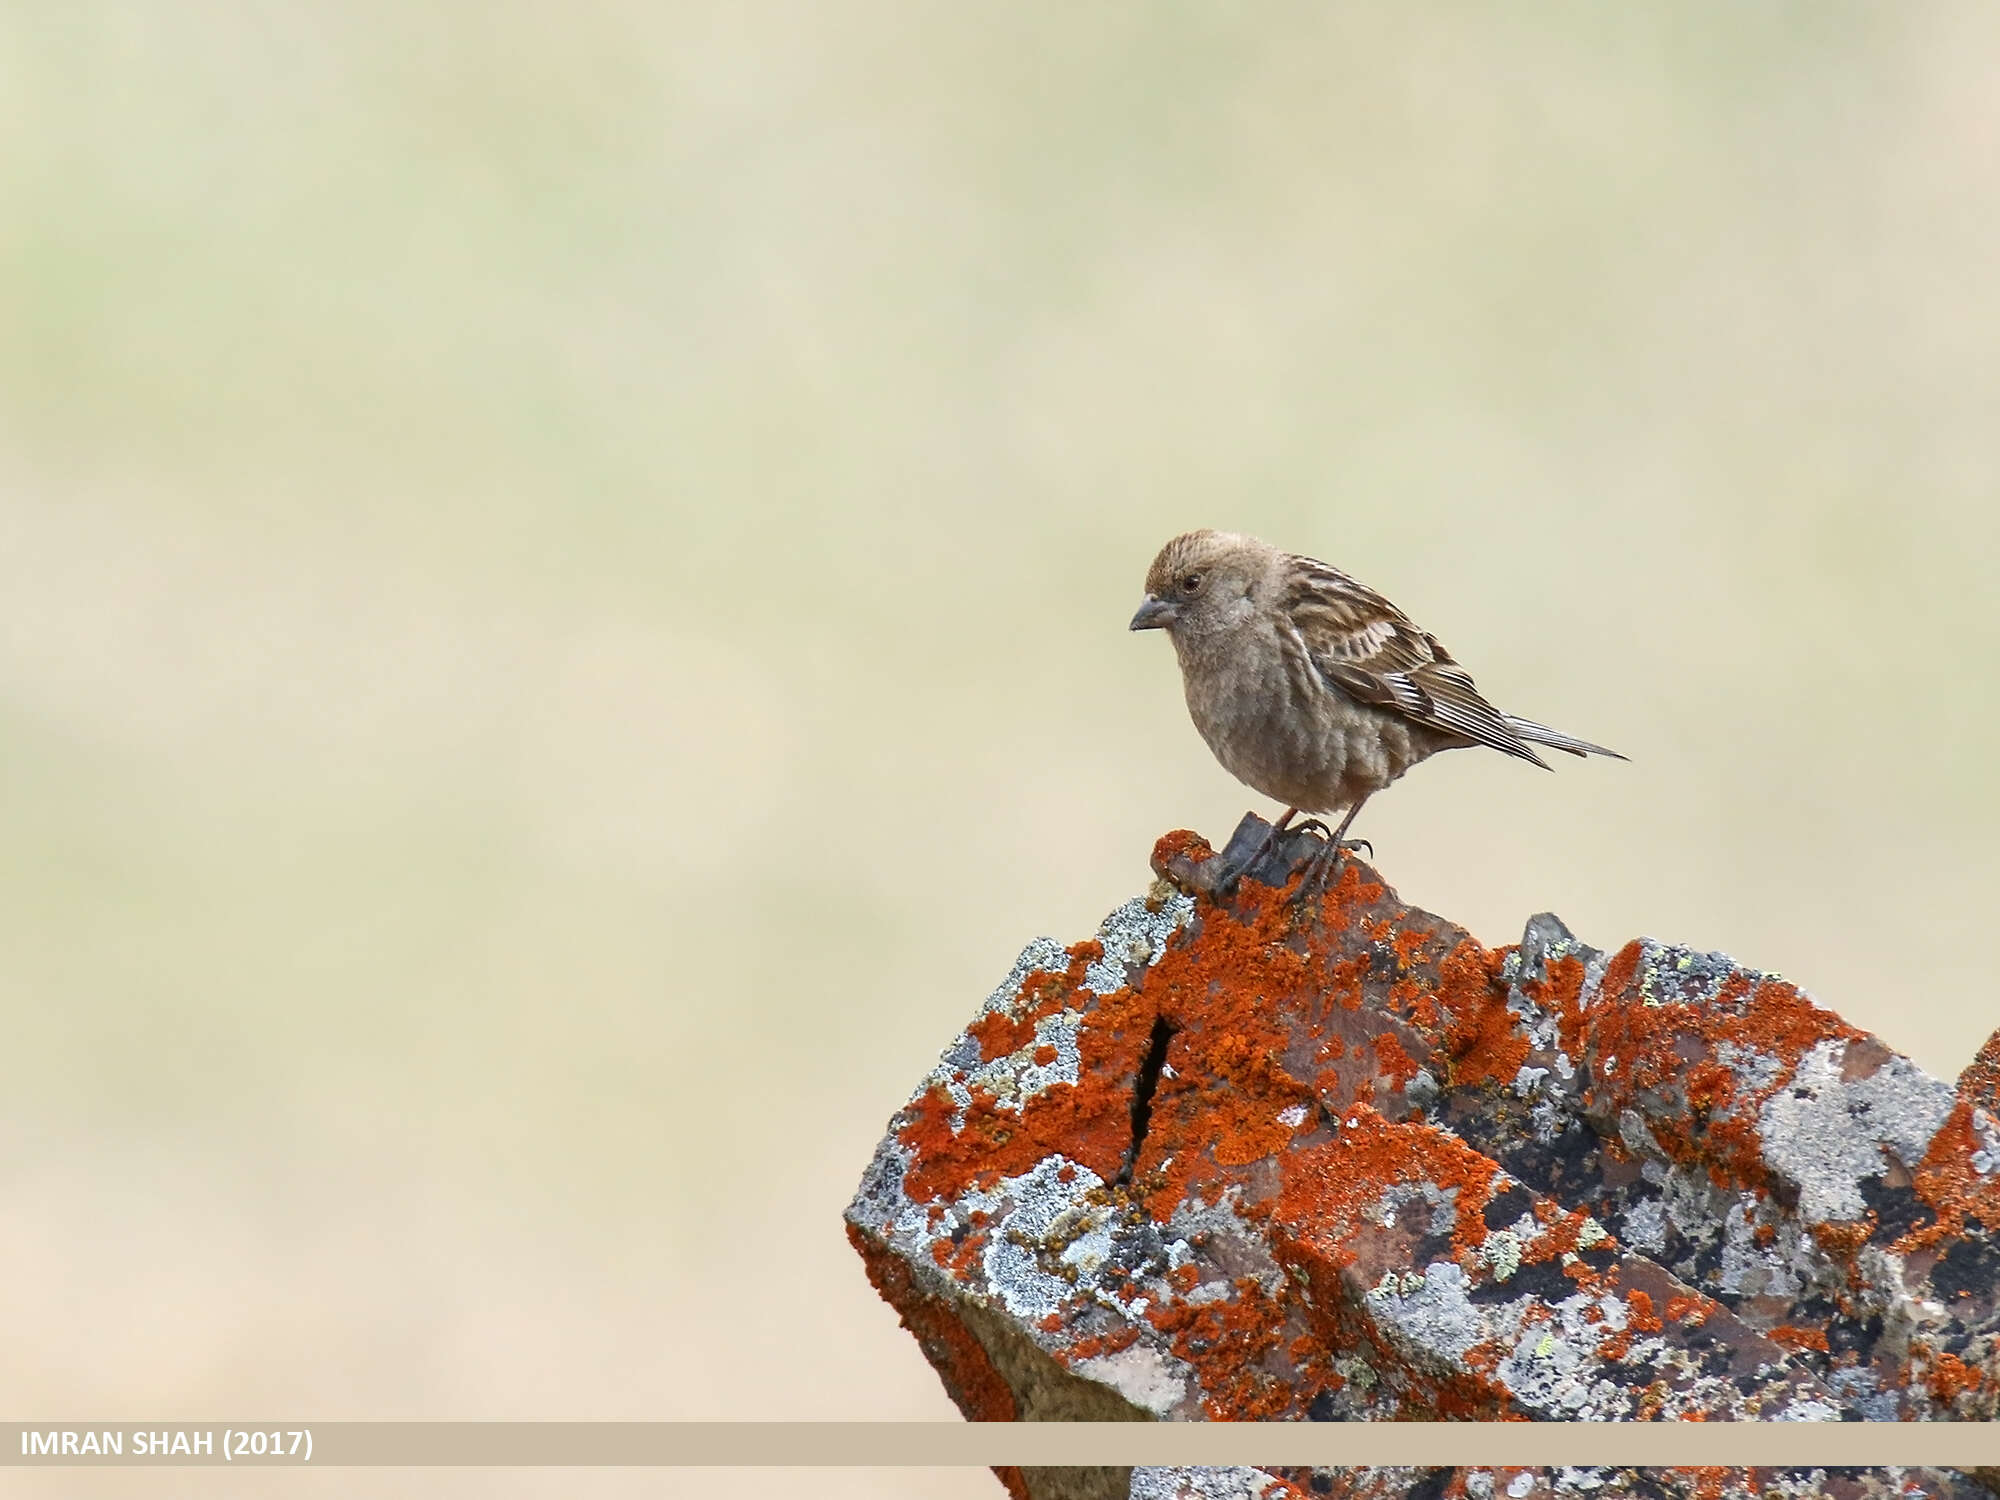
1226 886
1247 851
1313 825
1324 865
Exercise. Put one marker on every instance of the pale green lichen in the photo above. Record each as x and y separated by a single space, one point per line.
1502 1251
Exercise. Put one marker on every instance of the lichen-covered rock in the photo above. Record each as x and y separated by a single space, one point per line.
1641 1484
1241 1157
1210 1484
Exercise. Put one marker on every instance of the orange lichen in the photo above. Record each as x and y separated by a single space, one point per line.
1639 1307
1122 1336
1948 1181
1344 895
1000 1034
1692 1311
1842 1239
1406 943
1234 1001
1181 844
1560 987
1665 1056
1392 1062
969 1251
1790 1336
1979 1084
1415 1003
959 1357
1344 982
1483 1039
1330 1191
1287 1032
1091 1124
1562 1234
1949 1377
1224 1342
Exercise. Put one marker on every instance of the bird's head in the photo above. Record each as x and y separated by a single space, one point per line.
1202 582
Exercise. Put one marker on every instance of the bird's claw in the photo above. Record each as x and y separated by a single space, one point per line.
1322 867
1319 866
1313 825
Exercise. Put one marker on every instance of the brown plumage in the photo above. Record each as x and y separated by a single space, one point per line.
1313 688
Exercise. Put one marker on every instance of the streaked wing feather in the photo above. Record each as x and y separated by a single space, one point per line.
1369 649
1541 734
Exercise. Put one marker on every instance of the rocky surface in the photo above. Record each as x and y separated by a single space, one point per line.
1209 1484
1604 1483
1544 1484
1243 1157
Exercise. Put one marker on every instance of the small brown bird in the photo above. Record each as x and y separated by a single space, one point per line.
1312 688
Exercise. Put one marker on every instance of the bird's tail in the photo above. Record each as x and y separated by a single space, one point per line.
1541 734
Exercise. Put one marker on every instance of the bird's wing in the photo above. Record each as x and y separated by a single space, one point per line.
1369 649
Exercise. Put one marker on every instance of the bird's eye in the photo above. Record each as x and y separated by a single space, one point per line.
1191 583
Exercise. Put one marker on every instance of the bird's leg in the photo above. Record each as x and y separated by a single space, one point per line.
1320 869
1263 848
1339 839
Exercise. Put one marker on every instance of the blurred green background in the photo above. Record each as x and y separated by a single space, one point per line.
563 580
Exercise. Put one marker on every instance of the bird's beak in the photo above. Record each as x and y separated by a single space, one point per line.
1155 614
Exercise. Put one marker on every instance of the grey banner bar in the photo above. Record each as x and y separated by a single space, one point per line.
955 1444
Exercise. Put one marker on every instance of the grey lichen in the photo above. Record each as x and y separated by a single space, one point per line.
1828 1135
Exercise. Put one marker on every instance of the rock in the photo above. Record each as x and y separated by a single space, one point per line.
1241 1158
1209 1484
1886 1483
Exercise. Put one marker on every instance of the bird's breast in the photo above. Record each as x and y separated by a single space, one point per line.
1290 735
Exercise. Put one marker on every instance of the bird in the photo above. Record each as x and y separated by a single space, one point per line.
1312 688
